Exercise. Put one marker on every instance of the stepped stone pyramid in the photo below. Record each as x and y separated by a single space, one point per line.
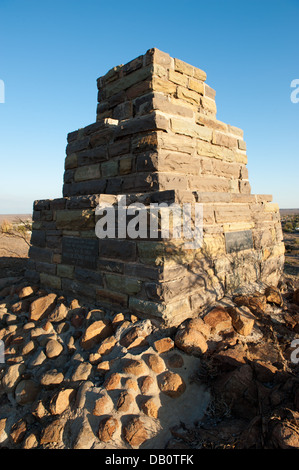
156 139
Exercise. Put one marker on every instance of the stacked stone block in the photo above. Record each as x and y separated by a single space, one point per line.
156 139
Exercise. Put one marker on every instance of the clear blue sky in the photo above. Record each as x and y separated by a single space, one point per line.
52 52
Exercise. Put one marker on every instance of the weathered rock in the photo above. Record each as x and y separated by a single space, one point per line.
175 361
52 377
218 320
135 337
39 411
172 384
102 406
96 332
163 345
231 357
264 371
191 341
59 313
12 376
77 319
20 307
131 384
18 431
26 291
242 320
256 303
285 436
107 345
107 428
117 320
74 304
134 367
135 433
38 360
148 384
103 367
199 325
235 384
61 401
42 307
28 348
82 372
81 394
53 348
3 422
30 442
156 363
296 297
150 408
26 392
273 295
124 402
52 433
85 437
112 382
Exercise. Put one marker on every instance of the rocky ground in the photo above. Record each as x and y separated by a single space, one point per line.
77 377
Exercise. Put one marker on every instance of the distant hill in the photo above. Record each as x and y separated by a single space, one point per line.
285 212
13 217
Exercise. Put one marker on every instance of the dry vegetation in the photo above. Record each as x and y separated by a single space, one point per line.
15 231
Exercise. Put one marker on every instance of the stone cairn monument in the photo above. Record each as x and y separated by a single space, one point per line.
156 139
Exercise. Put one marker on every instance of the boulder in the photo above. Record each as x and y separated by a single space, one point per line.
107 428
134 432
26 392
218 320
172 384
96 332
191 341
42 307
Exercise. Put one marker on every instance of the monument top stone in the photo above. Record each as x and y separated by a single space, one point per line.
156 138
